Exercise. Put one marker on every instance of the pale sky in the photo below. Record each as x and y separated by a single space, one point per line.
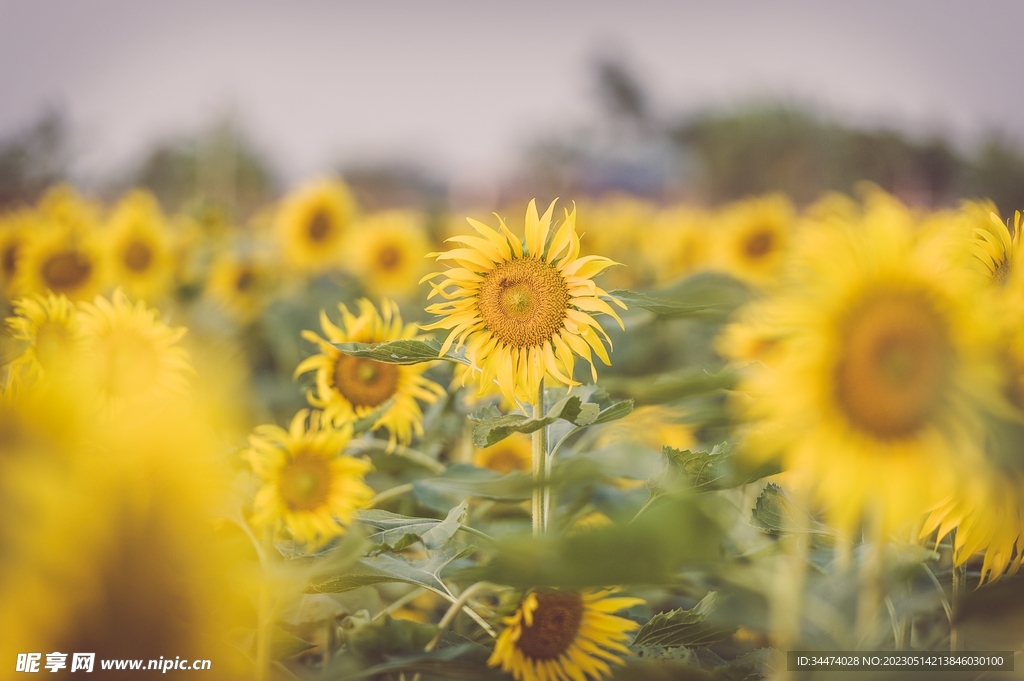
460 86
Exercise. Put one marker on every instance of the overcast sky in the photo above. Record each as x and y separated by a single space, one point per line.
461 85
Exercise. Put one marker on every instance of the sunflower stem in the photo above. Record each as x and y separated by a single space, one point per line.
871 587
540 466
959 587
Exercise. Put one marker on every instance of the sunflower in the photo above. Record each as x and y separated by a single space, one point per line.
349 388
63 206
306 480
50 326
561 635
388 250
679 243
63 259
15 231
993 244
883 364
756 237
522 312
141 259
128 355
512 454
242 285
618 224
312 224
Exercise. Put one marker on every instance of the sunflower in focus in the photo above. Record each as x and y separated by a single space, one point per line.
514 453
560 634
130 356
312 224
50 326
15 231
994 245
883 363
139 245
307 482
388 250
63 260
523 311
757 236
349 388
242 285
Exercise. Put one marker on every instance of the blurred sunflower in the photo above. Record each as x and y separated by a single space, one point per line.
557 635
140 251
307 482
128 355
618 224
349 388
757 236
387 252
50 326
883 364
993 245
678 243
65 207
312 224
522 312
15 230
64 260
653 426
241 284
514 453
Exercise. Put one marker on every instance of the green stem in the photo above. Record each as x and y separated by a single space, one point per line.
959 588
540 467
408 453
871 587
390 494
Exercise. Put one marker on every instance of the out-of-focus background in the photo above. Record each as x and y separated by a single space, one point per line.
467 103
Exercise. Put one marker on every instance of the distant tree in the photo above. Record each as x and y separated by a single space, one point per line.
33 159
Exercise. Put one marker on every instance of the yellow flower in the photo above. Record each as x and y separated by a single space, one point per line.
756 237
349 388
678 243
993 244
15 231
514 453
388 250
523 312
563 635
307 483
312 224
128 355
63 206
50 326
882 365
241 284
620 225
141 259
62 259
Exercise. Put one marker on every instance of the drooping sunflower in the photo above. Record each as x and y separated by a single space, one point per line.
307 482
994 245
514 453
241 284
882 366
349 388
562 635
387 252
128 354
756 237
15 231
523 310
50 326
141 258
64 260
312 224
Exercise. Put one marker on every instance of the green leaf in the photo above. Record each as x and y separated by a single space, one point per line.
397 532
465 661
667 307
383 637
386 568
670 386
776 513
367 422
683 627
614 412
406 351
493 429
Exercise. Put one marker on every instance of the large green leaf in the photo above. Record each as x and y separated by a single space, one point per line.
405 351
683 627
667 307
397 532
386 568
703 471
614 412
776 513
491 429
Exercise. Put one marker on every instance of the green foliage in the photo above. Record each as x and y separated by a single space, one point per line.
776 513
491 429
397 532
406 351
681 627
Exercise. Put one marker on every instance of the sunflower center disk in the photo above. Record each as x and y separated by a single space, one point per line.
363 382
245 280
66 271
759 244
556 622
894 366
9 260
319 226
389 258
305 483
523 302
137 256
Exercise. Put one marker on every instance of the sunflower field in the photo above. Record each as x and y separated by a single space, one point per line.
566 441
